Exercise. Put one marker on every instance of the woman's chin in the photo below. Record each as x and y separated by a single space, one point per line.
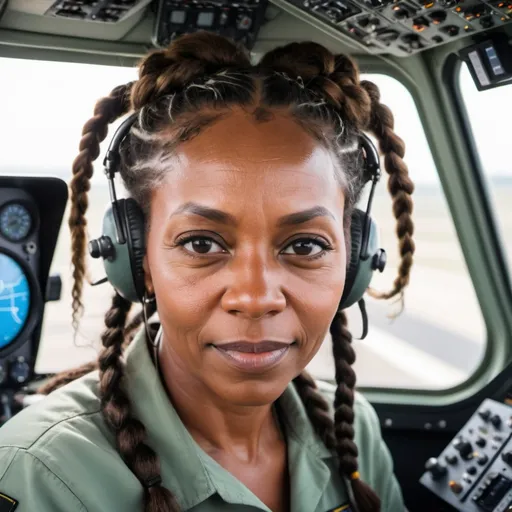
253 392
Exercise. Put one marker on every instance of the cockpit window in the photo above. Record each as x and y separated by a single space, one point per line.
421 348
485 109
44 106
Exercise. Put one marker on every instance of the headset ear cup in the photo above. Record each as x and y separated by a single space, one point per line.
124 262
134 224
356 238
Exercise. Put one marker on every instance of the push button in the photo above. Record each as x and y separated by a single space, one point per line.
451 459
481 441
464 448
482 459
456 487
496 421
507 458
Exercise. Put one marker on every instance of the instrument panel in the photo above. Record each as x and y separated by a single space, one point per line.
107 11
405 27
240 20
474 472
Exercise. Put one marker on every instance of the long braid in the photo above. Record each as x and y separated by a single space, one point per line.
317 408
94 132
115 404
400 187
344 357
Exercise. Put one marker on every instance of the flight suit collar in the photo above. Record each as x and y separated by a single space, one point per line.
190 472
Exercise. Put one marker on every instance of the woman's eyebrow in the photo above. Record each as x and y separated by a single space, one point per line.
221 217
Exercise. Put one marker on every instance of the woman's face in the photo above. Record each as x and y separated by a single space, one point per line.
246 246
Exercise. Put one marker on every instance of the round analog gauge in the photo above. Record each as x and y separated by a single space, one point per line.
15 222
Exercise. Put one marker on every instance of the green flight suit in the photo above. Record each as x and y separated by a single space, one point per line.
58 455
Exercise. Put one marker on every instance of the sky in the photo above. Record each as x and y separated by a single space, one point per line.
44 105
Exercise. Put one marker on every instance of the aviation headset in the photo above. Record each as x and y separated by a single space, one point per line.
122 244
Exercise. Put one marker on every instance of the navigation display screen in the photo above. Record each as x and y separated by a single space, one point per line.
14 300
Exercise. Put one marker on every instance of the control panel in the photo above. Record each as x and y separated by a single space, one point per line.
474 472
31 210
240 20
20 296
109 11
404 27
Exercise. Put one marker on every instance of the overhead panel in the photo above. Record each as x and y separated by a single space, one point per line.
404 27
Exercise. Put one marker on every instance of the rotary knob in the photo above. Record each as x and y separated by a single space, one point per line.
102 248
436 468
20 370
507 457
463 447
496 421
485 414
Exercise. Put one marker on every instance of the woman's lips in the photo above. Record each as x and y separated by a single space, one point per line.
254 357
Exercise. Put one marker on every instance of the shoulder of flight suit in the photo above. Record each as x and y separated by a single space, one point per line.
375 462
28 485
37 448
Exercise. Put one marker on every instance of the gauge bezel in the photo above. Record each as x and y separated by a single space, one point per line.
35 314
29 208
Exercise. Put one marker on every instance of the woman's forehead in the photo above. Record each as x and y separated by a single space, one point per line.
239 138
236 153
238 163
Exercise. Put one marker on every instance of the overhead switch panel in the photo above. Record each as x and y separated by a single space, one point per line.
405 27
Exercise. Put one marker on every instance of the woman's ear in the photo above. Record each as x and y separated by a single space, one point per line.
148 281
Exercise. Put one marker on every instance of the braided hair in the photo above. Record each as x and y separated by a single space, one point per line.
181 90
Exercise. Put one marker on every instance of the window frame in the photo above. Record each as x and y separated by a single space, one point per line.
469 205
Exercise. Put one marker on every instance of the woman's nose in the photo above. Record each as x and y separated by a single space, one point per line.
255 289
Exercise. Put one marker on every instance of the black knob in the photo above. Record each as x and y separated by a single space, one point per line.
3 373
437 17
471 470
101 248
482 459
451 459
507 457
464 448
435 468
401 14
496 421
379 260
485 414
481 441
487 22
20 370
420 24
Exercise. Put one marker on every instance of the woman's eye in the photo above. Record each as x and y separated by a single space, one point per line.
306 247
200 245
